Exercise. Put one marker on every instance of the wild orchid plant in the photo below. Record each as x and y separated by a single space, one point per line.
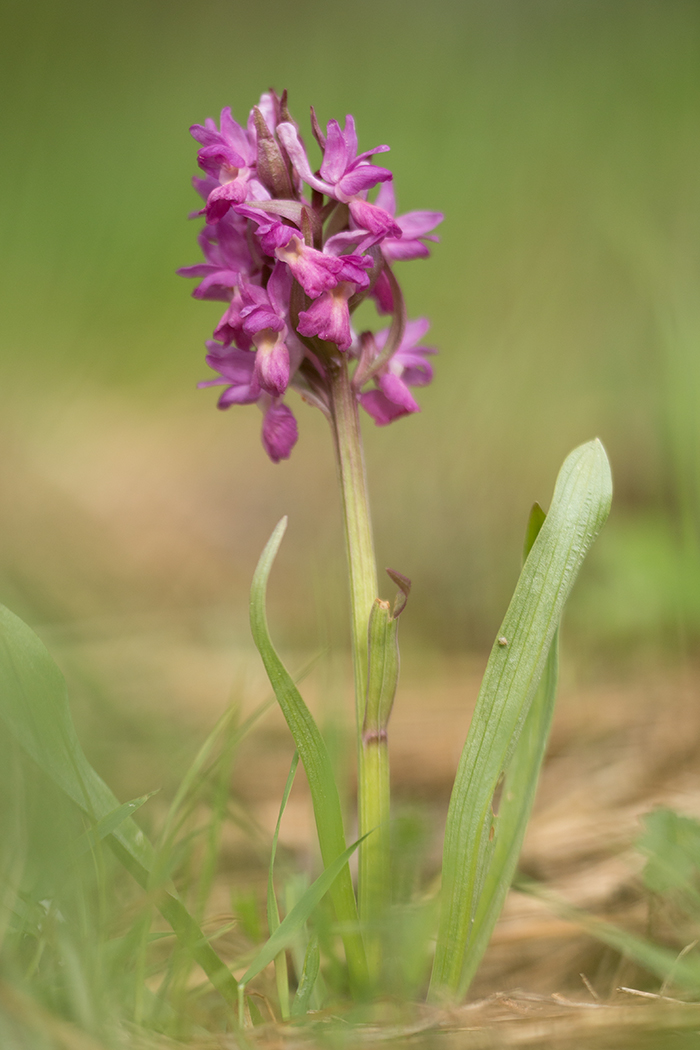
293 251
292 269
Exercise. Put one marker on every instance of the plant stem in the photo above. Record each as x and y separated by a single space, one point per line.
374 865
358 529
373 782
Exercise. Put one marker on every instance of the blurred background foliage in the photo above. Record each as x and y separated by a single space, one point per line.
560 139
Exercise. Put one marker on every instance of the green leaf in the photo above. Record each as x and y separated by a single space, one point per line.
292 924
316 761
513 812
517 795
535 522
108 824
309 976
34 707
273 914
672 844
580 505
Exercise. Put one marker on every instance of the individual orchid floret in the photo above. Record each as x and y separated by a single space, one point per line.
415 228
230 328
263 317
227 255
407 367
228 156
315 271
238 375
343 173
329 317
236 370
378 223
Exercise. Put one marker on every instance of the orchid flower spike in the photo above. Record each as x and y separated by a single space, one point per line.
292 248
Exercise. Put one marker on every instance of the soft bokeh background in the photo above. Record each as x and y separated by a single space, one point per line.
560 138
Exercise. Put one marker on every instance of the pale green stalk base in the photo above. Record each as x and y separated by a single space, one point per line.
374 872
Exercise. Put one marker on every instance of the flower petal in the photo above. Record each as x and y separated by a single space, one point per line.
335 156
279 431
329 317
380 408
271 362
359 179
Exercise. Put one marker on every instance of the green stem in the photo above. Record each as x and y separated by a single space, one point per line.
358 528
363 590
374 866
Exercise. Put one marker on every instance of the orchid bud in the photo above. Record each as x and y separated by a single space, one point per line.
271 167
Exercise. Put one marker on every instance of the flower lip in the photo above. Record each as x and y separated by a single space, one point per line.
279 433
271 361
328 316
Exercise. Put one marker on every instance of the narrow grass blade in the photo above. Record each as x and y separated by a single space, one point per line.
580 505
108 825
273 914
309 976
290 926
34 707
667 965
199 771
316 761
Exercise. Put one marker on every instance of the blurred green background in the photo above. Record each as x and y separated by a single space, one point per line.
559 137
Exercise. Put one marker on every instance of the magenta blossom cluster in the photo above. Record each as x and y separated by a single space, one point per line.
292 252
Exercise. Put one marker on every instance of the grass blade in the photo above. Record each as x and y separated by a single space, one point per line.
34 707
580 505
316 761
107 826
667 965
290 926
309 976
273 914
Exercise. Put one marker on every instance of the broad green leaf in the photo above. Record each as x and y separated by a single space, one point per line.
34 707
290 926
580 505
517 795
273 914
513 812
315 759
